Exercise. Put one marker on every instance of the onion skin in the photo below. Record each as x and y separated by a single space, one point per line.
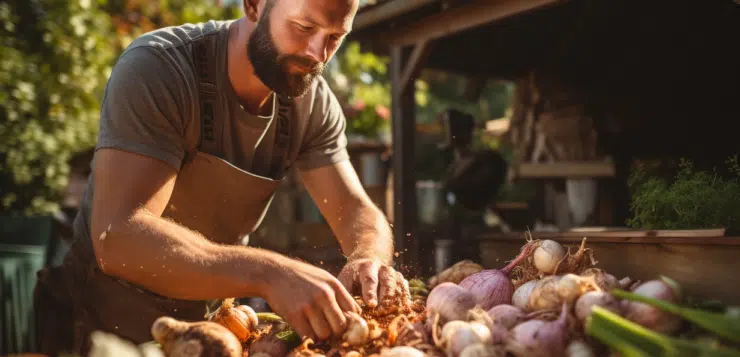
493 287
507 316
461 335
578 348
358 331
482 350
652 317
536 338
205 338
521 295
600 298
450 301
548 255
240 320
401 351
545 296
604 280
456 273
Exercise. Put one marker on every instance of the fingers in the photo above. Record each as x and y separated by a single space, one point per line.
402 281
345 300
347 278
335 317
319 326
369 279
300 324
387 280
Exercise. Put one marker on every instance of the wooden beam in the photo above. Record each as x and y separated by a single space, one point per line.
386 11
403 124
477 13
414 65
584 169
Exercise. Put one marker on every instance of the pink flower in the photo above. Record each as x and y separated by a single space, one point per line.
382 111
359 105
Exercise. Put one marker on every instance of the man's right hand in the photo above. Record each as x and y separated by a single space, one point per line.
311 300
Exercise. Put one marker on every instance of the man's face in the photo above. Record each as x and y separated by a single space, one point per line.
294 39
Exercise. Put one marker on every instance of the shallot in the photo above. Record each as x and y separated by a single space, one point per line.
358 331
482 350
401 351
552 291
202 338
240 320
599 298
652 317
450 302
578 348
492 287
457 335
536 338
520 298
604 280
507 316
548 255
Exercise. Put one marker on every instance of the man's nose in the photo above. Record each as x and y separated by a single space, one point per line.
317 47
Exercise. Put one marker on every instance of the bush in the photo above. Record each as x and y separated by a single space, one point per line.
694 200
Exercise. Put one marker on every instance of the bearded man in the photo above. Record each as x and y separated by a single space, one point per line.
199 124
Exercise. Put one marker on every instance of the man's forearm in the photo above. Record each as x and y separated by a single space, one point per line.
173 261
365 233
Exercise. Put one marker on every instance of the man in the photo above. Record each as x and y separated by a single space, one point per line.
198 125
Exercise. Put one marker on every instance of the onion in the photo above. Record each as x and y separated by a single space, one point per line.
652 317
604 280
493 287
506 315
520 298
456 273
401 351
451 302
457 335
202 338
552 291
357 332
599 298
578 348
536 338
482 350
548 255
240 320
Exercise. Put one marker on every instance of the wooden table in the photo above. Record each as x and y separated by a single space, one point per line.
706 267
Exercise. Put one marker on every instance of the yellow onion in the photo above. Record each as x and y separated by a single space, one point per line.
240 320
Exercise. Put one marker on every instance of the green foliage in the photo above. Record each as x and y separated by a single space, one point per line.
54 63
55 59
694 200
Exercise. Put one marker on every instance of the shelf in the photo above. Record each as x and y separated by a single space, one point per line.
574 169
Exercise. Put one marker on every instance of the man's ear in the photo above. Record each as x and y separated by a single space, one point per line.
251 9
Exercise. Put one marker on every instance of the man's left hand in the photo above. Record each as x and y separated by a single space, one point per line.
376 280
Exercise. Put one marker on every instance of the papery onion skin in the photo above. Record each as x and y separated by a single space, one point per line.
401 351
507 316
652 317
548 255
604 280
599 298
357 332
210 338
493 287
466 335
482 350
240 320
541 338
520 298
545 295
450 301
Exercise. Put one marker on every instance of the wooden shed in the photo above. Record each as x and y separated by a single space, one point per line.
624 80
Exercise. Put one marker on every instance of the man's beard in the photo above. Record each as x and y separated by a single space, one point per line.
272 68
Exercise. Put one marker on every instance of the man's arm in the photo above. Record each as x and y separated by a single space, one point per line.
133 242
361 227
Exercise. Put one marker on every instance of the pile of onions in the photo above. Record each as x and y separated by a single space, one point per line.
652 317
493 287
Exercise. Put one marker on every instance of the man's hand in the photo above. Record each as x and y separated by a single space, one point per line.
377 281
311 300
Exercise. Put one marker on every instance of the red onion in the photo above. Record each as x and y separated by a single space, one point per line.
450 301
506 315
493 287
599 298
520 298
536 338
652 317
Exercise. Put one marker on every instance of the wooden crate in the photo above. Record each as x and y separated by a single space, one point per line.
706 267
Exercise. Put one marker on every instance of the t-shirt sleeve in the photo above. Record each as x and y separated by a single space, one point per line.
325 142
143 106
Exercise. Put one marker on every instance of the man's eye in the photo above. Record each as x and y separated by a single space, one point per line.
303 28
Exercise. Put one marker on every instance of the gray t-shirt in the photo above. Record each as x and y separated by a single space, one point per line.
151 107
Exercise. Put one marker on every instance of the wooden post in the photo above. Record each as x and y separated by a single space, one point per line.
404 181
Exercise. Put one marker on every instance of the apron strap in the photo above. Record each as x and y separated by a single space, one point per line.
211 118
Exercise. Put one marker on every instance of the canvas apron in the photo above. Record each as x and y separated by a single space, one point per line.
211 196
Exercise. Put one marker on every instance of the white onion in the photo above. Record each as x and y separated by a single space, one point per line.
457 335
450 301
548 255
578 348
506 315
652 317
401 351
585 303
536 338
520 298
358 332
482 350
